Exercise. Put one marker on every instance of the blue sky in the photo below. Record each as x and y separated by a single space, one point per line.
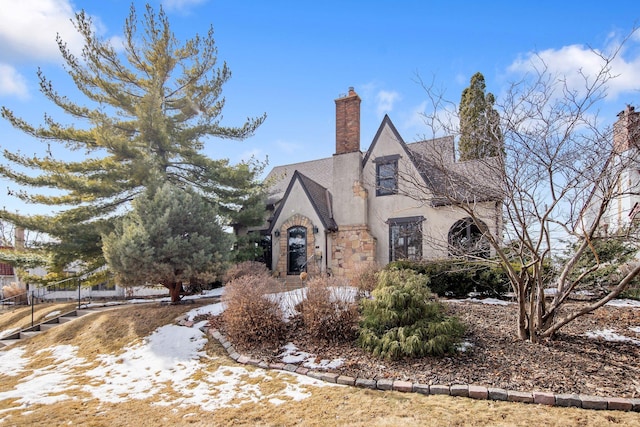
291 59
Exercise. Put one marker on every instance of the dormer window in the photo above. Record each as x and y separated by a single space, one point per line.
386 175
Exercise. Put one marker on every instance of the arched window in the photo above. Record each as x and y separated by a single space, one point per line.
466 239
296 250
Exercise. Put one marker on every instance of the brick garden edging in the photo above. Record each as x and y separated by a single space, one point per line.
459 390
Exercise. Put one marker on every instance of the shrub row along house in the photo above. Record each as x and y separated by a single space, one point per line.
332 214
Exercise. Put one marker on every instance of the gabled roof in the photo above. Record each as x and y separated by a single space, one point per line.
434 160
321 171
319 197
386 121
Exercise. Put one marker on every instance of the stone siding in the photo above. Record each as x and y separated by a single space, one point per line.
296 220
351 246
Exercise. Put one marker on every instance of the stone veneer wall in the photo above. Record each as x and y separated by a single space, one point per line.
294 221
352 246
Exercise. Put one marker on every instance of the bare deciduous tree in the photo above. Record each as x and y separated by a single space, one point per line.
559 177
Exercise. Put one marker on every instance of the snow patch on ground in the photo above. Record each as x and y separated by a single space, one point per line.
169 362
8 332
292 355
624 303
464 346
53 314
45 385
490 301
611 335
211 310
288 301
12 361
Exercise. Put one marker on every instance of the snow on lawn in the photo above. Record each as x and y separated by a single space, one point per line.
45 385
211 310
12 362
163 367
53 314
8 332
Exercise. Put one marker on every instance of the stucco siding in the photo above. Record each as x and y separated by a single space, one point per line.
437 220
296 205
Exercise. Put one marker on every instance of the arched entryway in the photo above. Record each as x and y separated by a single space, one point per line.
466 239
296 250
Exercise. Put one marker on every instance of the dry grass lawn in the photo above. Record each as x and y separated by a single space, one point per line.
112 330
20 317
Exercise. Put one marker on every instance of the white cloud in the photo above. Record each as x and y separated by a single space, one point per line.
416 116
573 60
384 101
12 82
29 30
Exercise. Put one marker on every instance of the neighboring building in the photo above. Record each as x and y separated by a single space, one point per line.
335 213
7 274
68 289
626 141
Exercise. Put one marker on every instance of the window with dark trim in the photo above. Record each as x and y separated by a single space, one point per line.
405 238
387 175
297 250
466 239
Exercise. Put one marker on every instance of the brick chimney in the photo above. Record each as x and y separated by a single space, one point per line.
19 238
626 131
348 123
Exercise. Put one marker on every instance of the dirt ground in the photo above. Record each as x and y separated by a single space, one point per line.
571 363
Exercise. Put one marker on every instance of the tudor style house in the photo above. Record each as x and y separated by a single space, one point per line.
336 213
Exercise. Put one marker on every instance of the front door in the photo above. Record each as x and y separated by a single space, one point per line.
297 250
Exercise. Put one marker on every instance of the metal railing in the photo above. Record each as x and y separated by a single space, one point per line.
31 296
12 301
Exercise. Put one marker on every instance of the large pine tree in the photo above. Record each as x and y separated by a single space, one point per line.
149 112
480 134
171 236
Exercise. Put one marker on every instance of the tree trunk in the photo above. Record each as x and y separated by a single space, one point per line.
522 315
175 289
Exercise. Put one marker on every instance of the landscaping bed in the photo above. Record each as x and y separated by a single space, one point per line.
577 361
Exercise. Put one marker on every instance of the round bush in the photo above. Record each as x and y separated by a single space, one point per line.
404 319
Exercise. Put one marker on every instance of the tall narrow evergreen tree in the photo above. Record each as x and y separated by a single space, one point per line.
480 134
149 112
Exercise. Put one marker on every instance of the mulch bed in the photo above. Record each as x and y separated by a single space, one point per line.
571 363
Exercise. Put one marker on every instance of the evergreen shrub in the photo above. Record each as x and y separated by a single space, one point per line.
457 278
404 319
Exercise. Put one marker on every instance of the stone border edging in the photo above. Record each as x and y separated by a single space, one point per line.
459 390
